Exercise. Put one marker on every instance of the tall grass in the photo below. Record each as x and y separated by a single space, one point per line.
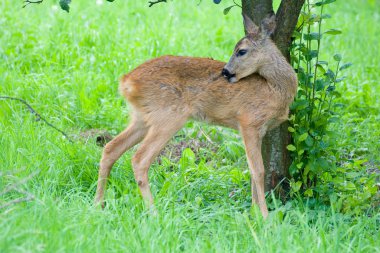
67 66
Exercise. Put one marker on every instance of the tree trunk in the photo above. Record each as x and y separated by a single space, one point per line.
276 156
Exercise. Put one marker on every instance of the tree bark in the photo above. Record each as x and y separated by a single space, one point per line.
257 10
286 20
276 156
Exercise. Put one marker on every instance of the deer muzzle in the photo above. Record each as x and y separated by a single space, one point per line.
229 76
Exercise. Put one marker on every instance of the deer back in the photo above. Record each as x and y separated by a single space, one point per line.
195 86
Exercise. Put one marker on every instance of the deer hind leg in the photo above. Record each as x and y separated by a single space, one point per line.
252 141
112 152
155 140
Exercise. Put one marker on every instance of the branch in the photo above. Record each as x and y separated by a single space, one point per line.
16 201
38 116
8 173
17 184
27 2
151 3
237 4
16 187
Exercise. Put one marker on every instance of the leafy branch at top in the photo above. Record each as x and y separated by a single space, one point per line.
27 2
64 4
227 10
151 3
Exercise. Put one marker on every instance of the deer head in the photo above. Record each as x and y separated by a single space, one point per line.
253 51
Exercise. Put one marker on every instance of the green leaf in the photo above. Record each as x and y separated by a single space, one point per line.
345 66
330 88
321 68
227 10
350 186
330 74
291 129
312 36
65 5
314 18
324 2
299 104
360 162
236 176
352 174
319 84
333 31
110 0
333 119
337 57
187 158
326 176
339 105
291 147
280 215
309 141
325 16
336 94
296 186
323 163
308 193
323 63
303 137
198 201
311 55
338 80
293 168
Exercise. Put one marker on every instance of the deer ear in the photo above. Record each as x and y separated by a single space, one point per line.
268 25
249 26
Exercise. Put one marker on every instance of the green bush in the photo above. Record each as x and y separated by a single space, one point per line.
318 169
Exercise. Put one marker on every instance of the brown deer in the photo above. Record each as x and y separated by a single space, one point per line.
167 91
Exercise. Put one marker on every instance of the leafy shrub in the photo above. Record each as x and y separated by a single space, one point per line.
317 169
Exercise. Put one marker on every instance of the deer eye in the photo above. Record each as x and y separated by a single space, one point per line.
241 52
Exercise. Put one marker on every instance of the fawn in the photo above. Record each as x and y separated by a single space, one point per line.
165 92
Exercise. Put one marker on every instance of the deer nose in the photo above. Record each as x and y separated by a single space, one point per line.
226 73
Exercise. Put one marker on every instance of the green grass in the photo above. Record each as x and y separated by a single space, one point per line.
360 45
67 66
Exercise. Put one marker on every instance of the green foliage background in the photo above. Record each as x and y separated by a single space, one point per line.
67 67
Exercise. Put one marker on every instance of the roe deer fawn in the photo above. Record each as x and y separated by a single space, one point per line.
165 92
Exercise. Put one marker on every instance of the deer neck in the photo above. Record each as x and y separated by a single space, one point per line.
280 75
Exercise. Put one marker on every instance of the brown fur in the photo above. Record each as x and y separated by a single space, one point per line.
165 92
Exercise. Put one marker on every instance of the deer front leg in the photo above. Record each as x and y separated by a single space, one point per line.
252 142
